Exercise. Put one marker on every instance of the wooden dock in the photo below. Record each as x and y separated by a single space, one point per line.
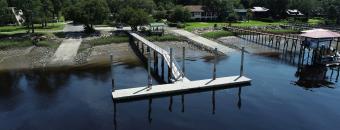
175 70
179 87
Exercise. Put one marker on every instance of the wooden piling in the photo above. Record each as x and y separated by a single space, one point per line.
215 62
112 73
162 65
242 62
170 66
149 70
183 62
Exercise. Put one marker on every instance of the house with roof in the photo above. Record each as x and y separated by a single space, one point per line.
199 14
260 12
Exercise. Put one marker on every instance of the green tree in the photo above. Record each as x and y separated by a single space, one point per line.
134 17
57 6
31 10
180 15
88 12
4 16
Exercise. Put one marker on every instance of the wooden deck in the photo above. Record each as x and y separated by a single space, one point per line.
179 87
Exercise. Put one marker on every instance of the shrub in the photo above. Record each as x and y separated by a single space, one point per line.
180 25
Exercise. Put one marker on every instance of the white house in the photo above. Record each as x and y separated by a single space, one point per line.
198 13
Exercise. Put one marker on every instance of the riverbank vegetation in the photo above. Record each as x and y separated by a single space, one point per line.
9 41
124 39
217 34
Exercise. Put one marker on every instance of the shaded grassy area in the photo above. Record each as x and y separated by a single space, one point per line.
24 40
167 37
7 44
38 28
217 34
107 40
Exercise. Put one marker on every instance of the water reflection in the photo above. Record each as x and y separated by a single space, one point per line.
150 119
316 76
15 85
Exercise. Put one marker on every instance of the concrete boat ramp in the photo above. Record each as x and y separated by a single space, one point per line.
179 88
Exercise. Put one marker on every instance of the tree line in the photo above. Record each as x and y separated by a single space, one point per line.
139 12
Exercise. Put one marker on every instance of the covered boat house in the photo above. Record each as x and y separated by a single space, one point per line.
321 47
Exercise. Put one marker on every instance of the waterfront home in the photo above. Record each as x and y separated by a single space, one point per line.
198 13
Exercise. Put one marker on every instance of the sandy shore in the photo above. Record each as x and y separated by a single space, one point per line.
40 57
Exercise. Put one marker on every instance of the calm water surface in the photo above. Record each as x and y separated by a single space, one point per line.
81 99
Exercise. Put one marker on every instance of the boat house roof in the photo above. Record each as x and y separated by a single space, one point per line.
320 34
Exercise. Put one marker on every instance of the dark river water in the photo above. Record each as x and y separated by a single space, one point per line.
81 99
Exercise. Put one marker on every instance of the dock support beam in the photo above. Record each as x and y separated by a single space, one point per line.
170 66
242 62
183 62
149 70
215 61
112 73
162 65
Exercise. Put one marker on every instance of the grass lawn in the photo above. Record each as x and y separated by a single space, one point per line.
38 28
257 23
315 21
192 25
217 34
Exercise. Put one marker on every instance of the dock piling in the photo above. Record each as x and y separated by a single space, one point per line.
183 62
242 62
149 70
170 67
112 73
215 61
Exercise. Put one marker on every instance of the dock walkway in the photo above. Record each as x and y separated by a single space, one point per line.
209 44
179 87
176 72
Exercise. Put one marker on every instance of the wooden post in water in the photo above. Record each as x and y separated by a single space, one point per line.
215 62
142 49
337 44
149 70
155 64
112 73
162 65
242 62
183 62
170 66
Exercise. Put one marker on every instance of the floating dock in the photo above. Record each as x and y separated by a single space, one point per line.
178 87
